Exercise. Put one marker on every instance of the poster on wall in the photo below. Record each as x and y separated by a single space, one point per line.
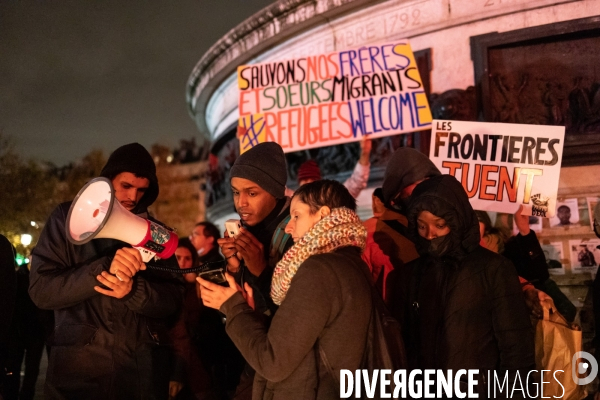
567 213
591 203
328 99
553 252
501 166
585 255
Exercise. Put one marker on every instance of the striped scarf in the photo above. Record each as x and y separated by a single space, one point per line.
341 228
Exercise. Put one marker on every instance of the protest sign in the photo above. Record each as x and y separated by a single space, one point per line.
328 99
501 165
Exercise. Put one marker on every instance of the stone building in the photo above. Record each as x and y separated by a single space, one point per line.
521 61
181 174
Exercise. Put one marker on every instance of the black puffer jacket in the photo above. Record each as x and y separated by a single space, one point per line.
462 306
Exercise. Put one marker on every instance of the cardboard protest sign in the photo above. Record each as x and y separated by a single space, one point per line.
334 98
502 165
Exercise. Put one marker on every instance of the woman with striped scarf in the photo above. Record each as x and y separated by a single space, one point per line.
322 288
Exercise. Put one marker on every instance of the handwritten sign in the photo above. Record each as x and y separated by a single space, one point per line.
502 165
333 98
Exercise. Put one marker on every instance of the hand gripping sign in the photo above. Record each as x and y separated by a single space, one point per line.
501 165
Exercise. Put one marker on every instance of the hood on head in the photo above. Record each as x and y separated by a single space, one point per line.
134 158
445 197
405 167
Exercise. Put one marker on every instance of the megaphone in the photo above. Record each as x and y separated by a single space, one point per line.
96 213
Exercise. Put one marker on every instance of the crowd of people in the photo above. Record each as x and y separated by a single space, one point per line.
298 302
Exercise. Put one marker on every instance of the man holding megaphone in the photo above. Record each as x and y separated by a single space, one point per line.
110 311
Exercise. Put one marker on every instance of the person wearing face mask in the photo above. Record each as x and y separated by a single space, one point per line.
388 245
463 307
322 288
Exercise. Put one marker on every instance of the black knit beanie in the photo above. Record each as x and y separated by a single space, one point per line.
265 165
134 158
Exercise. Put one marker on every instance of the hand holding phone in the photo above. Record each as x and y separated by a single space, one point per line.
215 276
232 226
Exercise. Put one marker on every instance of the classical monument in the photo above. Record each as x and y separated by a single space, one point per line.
518 61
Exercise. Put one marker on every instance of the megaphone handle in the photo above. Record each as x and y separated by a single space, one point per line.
147 255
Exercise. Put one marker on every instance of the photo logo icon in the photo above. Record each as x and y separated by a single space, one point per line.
583 363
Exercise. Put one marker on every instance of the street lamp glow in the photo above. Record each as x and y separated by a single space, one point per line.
26 239
32 223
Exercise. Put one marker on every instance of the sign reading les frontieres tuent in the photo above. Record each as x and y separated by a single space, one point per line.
501 165
334 98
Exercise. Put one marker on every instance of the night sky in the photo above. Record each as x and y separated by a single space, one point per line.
81 74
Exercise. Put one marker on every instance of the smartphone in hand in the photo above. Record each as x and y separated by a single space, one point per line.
232 226
215 276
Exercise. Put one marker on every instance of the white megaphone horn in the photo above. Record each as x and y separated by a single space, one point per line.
96 213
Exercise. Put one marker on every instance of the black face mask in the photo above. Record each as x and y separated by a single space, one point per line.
438 247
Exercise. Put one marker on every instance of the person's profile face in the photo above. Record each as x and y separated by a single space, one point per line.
251 202
199 240
301 219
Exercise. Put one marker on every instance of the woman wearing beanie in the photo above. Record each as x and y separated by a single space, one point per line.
463 306
321 286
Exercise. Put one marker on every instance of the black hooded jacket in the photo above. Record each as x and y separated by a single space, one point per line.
462 306
104 347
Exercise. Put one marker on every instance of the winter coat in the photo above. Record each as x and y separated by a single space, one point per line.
387 246
528 258
102 347
265 232
461 306
328 303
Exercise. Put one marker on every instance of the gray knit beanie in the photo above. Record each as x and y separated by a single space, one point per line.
265 165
